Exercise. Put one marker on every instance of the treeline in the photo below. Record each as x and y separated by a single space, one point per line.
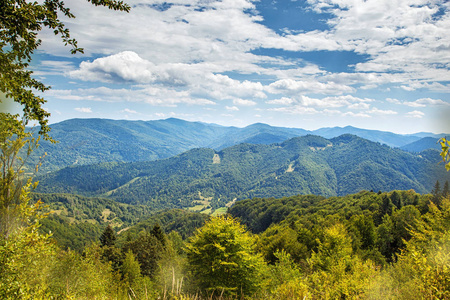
370 245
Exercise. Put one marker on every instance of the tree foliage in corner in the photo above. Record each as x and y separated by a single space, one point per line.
20 23
445 146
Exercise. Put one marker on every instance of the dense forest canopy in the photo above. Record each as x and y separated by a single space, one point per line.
304 165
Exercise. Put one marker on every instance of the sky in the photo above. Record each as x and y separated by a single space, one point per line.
373 64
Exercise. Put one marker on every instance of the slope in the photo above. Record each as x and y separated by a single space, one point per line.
90 141
304 165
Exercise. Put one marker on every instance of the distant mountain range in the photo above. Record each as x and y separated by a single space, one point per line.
90 141
422 144
212 178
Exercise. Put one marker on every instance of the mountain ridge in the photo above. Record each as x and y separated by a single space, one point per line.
302 165
90 141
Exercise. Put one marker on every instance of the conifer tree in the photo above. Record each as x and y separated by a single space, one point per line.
445 190
437 193
158 233
108 237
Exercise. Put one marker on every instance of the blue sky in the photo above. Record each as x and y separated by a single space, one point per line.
375 64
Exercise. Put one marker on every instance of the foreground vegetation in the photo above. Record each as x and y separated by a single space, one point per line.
364 246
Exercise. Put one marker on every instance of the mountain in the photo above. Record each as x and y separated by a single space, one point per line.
422 144
258 133
90 141
383 137
209 179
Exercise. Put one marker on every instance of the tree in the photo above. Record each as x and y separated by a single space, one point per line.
222 260
445 190
436 192
337 272
20 23
148 251
108 237
159 234
445 147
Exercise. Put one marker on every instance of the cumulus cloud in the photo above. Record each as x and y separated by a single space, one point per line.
84 109
292 86
281 101
424 102
128 111
298 110
231 108
150 95
396 36
244 102
415 114
124 66
377 111
168 53
337 105
402 36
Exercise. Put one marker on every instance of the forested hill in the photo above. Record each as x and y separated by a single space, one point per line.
89 141
303 165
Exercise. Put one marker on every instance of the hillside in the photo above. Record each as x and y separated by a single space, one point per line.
422 144
76 221
90 141
205 178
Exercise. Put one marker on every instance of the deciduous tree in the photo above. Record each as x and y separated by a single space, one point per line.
222 260
20 23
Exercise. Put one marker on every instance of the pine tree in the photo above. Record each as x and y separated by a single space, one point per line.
159 234
437 193
108 237
396 199
446 190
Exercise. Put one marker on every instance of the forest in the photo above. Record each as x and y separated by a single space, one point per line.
304 165
369 245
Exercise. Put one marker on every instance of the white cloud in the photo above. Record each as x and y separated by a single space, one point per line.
281 101
294 86
297 110
124 66
377 111
402 36
53 67
357 115
424 102
336 101
434 86
394 101
231 108
243 102
219 36
151 95
128 111
84 109
183 55
415 114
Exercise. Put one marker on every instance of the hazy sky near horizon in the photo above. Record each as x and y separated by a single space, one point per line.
375 64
